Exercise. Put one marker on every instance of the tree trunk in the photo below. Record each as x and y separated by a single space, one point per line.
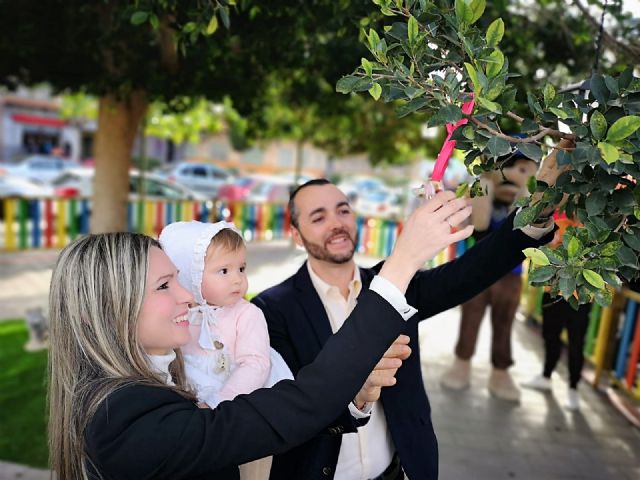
118 123
299 162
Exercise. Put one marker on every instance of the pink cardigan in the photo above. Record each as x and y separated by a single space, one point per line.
242 329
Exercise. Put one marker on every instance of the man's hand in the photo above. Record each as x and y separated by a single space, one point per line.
427 231
383 375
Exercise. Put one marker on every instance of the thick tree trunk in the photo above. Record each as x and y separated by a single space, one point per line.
118 123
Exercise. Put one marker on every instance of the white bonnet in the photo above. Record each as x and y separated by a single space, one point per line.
186 245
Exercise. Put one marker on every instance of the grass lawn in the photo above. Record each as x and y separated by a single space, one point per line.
22 398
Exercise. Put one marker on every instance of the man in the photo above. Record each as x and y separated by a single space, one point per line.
303 311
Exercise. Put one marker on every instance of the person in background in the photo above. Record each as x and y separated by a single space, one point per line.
557 315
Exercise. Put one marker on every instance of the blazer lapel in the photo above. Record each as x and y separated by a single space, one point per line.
310 302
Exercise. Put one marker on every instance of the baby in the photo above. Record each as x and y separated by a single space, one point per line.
229 352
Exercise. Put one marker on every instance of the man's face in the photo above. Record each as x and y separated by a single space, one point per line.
326 224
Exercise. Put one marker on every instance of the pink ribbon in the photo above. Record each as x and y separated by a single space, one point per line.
447 148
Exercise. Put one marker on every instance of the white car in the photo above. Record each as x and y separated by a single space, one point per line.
13 186
384 204
205 178
79 182
41 168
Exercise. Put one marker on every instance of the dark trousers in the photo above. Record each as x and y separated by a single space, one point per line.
556 316
503 297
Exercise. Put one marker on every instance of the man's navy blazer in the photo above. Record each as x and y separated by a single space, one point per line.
299 327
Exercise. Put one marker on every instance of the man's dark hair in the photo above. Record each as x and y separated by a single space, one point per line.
293 211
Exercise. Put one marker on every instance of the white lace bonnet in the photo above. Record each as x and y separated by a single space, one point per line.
186 245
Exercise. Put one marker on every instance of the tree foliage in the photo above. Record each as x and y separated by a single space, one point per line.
438 56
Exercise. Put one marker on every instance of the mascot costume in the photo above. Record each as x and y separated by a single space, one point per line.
502 188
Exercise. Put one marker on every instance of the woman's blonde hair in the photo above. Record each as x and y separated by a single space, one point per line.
96 293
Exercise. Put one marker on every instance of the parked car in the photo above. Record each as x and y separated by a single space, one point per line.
237 190
356 187
79 182
205 178
42 168
270 190
385 204
13 186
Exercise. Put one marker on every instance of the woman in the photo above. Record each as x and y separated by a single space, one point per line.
119 407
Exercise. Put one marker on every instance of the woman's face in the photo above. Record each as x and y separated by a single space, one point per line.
163 323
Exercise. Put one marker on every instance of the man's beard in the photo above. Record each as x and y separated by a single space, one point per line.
320 252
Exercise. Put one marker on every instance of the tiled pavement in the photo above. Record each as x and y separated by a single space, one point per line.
480 437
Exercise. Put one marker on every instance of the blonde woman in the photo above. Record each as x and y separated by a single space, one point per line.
118 404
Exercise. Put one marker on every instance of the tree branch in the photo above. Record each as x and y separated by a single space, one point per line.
543 132
632 50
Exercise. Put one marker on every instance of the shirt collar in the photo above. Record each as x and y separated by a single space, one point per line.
355 285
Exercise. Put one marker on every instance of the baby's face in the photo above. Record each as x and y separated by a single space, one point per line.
224 280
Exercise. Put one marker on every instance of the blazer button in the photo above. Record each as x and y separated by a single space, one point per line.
333 430
326 471
339 429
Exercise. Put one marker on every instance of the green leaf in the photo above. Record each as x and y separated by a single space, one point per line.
139 17
153 20
598 124
527 215
373 39
610 153
559 113
464 14
612 279
189 27
599 90
610 249
622 128
542 274
473 75
224 16
495 32
530 150
632 240
627 256
596 202
468 132
536 256
375 91
636 212
495 61
491 106
603 297
477 7
532 184
462 190
347 83
567 286
553 255
593 278
212 26
367 67
549 94
574 247
410 107
412 30
498 146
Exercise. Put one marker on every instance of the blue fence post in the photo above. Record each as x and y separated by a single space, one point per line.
85 214
36 234
625 339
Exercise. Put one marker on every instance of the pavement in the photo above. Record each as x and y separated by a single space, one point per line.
480 437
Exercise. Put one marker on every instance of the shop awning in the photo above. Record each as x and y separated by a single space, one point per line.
38 120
